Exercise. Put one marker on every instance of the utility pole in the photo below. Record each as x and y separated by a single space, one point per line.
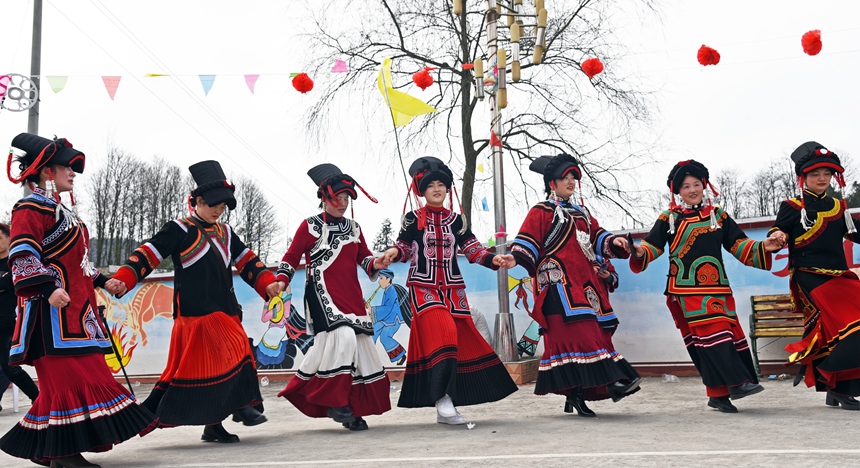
35 66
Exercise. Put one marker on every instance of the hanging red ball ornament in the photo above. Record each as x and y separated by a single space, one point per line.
422 78
303 83
811 42
592 67
708 56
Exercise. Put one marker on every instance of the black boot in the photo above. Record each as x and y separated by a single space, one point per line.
723 404
847 402
249 416
342 414
75 461
743 390
618 390
358 425
217 433
575 401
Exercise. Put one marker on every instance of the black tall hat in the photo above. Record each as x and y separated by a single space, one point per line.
41 152
813 155
212 184
555 167
331 181
682 170
427 169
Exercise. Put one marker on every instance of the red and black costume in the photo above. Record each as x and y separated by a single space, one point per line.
697 291
80 407
557 244
447 355
210 372
822 287
342 371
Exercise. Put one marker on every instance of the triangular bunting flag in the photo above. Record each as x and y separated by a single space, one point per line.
58 82
403 106
339 66
251 80
491 242
207 81
111 84
484 204
481 168
494 140
154 75
293 75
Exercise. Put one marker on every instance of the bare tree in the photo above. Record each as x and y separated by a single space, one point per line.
255 219
732 190
560 109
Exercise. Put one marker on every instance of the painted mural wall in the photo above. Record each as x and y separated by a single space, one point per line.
141 321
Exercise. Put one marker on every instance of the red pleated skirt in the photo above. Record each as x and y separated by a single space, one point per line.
447 355
80 408
210 372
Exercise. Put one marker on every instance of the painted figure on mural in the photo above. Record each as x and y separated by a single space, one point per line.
697 291
814 225
79 407
285 336
341 377
448 363
389 314
557 244
210 372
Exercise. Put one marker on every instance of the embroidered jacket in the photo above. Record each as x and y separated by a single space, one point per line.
695 251
434 275
332 248
200 283
819 249
550 245
49 249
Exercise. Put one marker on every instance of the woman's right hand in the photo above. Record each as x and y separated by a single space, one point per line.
391 254
59 298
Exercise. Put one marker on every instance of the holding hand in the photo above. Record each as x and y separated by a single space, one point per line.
381 263
274 288
622 242
504 261
776 241
59 298
391 254
115 287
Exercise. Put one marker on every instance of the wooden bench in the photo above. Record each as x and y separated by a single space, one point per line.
773 316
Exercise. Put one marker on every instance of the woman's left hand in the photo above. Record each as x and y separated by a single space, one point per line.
504 261
273 289
622 242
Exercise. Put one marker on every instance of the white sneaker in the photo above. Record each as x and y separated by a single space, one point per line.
453 420
445 408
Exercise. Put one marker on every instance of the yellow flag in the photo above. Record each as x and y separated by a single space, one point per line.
481 167
403 106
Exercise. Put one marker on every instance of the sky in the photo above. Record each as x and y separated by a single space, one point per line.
764 98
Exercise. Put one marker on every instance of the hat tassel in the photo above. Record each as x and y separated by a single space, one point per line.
804 220
673 205
559 212
714 224
849 222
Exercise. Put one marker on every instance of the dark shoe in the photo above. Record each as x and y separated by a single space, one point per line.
249 416
75 461
723 404
358 425
847 402
617 390
41 463
217 433
341 415
402 360
743 390
576 402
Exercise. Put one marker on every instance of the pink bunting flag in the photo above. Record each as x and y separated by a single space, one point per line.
339 66
111 84
251 80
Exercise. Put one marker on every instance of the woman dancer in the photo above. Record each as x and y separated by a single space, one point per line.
448 363
557 244
79 407
210 373
814 225
697 292
342 376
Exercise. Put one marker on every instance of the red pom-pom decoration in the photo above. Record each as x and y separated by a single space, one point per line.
423 79
303 83
592 67
811 42
708 56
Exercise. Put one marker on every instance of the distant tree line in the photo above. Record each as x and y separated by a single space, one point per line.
129 200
